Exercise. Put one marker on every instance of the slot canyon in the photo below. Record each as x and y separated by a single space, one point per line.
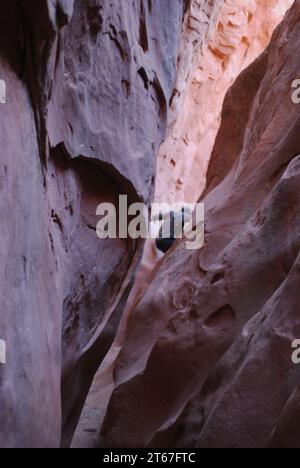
108 342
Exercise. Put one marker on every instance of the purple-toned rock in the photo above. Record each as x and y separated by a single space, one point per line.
88 86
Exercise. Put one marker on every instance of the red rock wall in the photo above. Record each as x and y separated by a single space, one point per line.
242 31
88 86
207 356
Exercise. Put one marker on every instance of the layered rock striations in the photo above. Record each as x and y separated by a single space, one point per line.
242 32
207 357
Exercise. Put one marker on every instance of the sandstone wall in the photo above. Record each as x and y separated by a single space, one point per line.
205 73
214 329
243 31
88 86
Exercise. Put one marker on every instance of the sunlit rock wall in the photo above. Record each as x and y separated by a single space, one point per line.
243 31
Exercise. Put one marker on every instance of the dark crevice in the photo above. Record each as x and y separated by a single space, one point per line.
160 96
143 41
217 277
143 74
224 314
56 219
127 87
113 37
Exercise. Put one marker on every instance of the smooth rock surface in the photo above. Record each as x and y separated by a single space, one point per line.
207 356
243 30
88 85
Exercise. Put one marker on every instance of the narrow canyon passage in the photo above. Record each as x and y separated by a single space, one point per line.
106 342
241 32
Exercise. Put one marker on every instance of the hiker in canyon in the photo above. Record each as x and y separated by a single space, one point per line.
105 341
172 227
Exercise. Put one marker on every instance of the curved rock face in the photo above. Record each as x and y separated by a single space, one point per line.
243 30
88 85
207 356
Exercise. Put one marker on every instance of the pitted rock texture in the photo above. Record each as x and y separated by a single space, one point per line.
88 86
207 356
243 30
